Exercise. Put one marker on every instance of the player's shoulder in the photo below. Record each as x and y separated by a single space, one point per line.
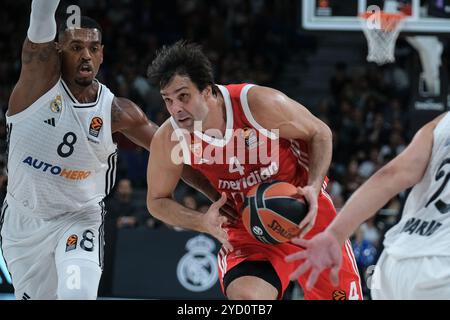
262 99
439 119
262 93
429 128
124 103
124 106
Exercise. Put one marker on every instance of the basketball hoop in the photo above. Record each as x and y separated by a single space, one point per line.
381 30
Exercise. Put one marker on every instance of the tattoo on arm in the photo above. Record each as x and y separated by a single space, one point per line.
45 53
31 51
27 56
116 113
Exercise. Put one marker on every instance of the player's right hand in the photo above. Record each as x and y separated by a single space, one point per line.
320 253
229 210
214 221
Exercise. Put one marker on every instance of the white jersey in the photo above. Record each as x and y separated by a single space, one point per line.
61 156
424 229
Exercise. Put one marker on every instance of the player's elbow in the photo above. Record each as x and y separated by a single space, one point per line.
397 177
326 132
153 206
323 137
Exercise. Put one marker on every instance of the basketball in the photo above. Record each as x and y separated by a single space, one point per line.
273 212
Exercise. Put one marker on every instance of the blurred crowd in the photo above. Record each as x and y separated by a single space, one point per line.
247 41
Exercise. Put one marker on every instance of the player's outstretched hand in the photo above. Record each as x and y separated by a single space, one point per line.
321 252
214 222
307 223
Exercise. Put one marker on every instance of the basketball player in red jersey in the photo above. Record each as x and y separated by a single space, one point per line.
290 144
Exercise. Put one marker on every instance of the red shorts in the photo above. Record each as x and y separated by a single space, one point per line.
246 248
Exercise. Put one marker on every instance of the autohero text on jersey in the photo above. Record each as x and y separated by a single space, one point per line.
56 170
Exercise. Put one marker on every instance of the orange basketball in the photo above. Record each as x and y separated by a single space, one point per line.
273 212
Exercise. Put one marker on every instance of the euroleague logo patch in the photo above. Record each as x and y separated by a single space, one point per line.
339 295
71 243
95 127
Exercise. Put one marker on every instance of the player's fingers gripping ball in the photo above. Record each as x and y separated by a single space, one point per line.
273 212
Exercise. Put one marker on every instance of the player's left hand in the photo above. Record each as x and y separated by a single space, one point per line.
213 222
320 253
311 195
228 210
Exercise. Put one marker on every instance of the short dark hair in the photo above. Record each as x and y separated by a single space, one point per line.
183 59
85 23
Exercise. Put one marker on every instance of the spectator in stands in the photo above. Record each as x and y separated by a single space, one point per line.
121 207
366 255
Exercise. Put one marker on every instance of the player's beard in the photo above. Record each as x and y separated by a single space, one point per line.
84 82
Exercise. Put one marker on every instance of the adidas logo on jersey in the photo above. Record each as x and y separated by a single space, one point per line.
50 122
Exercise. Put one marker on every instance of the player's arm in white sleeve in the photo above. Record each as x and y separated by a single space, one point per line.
272 109
40 59
163 175
407 169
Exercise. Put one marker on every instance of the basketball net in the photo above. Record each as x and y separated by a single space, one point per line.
381 30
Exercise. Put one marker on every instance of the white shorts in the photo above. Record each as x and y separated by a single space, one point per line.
35 250
422 278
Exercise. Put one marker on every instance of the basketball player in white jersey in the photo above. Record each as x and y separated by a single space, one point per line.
62 160
415 263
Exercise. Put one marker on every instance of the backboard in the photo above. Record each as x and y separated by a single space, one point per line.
423 16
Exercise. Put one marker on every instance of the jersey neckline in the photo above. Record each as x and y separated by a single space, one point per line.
75 102
229 122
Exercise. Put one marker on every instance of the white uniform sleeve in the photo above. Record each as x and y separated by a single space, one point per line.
42 21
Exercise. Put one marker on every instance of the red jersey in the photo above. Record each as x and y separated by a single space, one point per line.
248 154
